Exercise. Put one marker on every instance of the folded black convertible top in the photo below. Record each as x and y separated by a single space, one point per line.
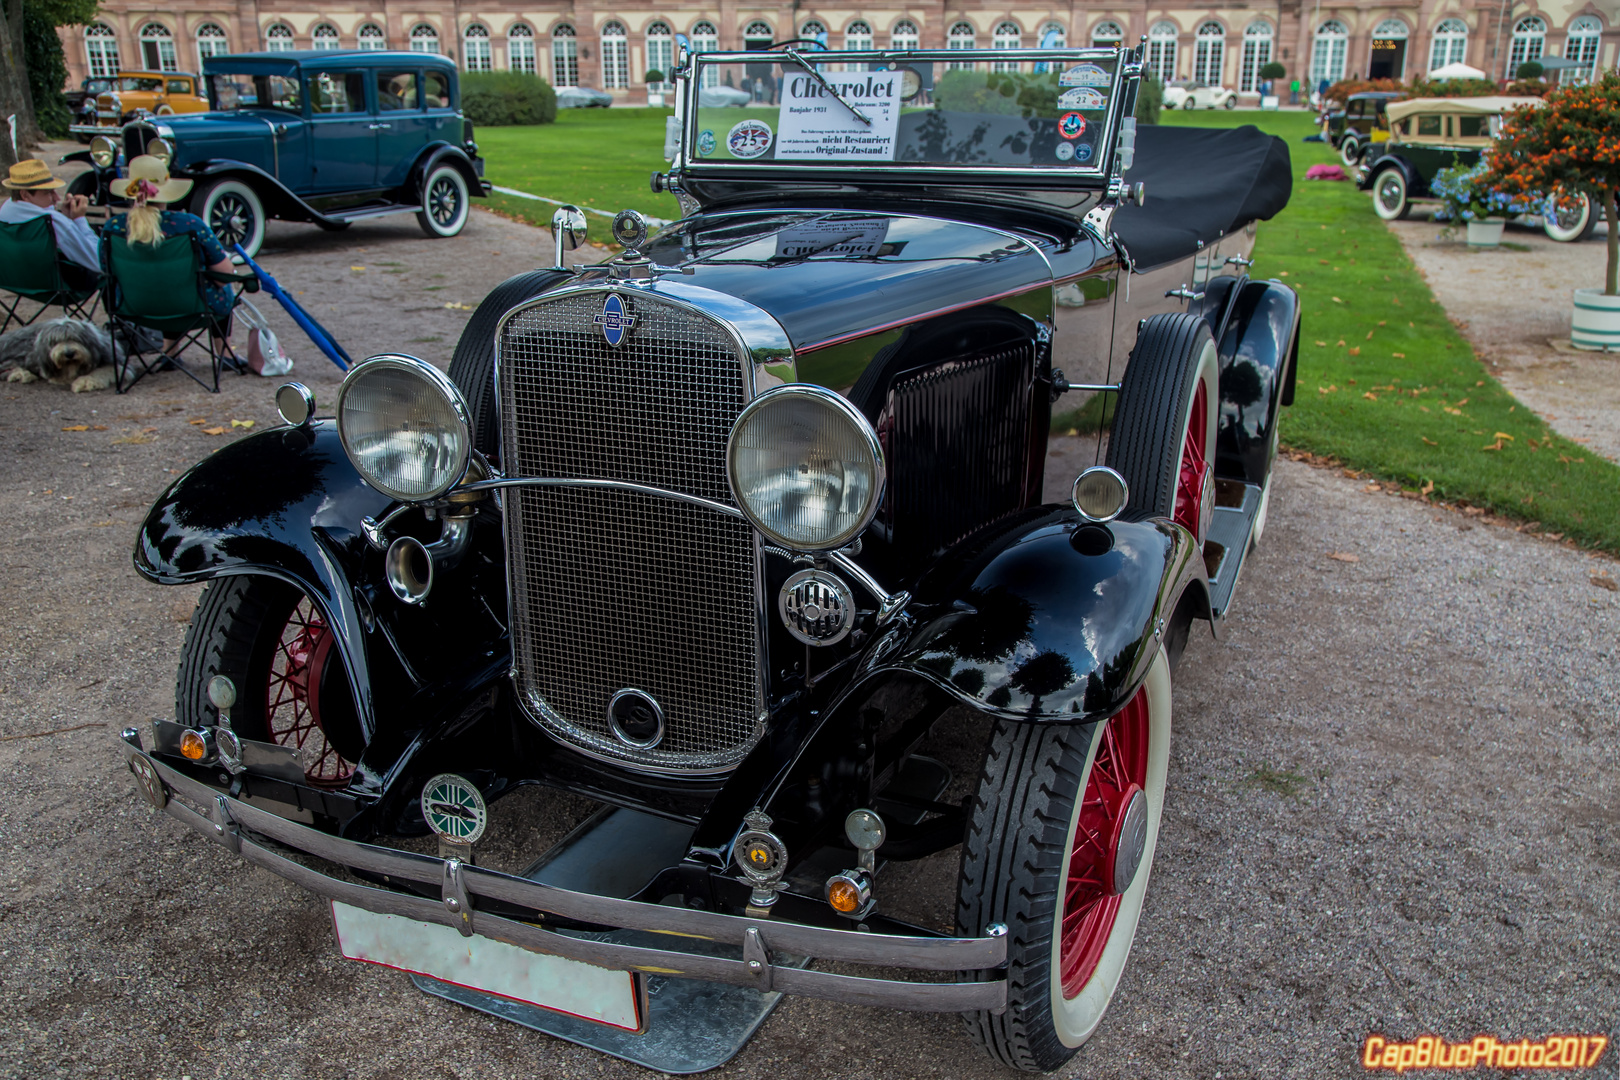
1202 183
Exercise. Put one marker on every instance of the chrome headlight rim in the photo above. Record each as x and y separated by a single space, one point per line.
103 152
437 382
852 415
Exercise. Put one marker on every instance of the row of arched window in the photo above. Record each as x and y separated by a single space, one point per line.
1448 44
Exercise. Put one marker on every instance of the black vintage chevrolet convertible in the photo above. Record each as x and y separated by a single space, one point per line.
716 533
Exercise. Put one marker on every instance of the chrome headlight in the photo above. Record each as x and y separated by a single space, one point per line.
806 467
103 151
160 149
404 426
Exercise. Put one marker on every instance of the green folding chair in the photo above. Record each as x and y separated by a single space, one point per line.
160 287
31 269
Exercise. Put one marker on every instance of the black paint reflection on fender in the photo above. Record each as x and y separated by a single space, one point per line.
1045 617
285 503
1257 354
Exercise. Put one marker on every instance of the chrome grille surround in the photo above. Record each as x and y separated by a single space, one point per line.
650 581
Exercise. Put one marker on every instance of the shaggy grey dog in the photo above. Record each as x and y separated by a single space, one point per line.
68 352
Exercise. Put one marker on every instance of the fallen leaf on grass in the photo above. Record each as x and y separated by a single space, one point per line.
1503 435
1380 322
1285 273
1449 409
1426 439
1341 343
1399 355
77 427
242 423
1322 343
1369 335
1369 395
1575 460
1327 389
1344 556
1604 581
1461 403
1336 300
1497 445
1424 408
1356 351
213 431
1427 488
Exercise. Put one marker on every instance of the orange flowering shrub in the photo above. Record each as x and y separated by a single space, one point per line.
1341 90
1570 145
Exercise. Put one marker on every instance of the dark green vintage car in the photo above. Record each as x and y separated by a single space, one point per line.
1430 134
325 137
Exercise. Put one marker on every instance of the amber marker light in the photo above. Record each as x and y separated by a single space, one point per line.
193 746
850 893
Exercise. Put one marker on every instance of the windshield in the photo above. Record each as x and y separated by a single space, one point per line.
139 83
227 92
1043 108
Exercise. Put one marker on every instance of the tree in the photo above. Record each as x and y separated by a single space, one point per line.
20 51
1569 146
1273 70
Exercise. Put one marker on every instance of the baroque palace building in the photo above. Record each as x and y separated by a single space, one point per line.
612 45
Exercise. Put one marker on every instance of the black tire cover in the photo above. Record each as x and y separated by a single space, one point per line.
472 368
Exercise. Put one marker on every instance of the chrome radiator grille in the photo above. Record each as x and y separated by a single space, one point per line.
618 589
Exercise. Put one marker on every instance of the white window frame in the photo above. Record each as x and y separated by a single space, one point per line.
1258 39
1329 46
615 56
477 53
814 30
1448 44
1107 34
1006 35
211 41
371 38
905 35
425 39
325 42
564 56
1529 43
1209 53
155 33
1582 47
705 37
758 30
101 50
278 37
660 52
1161 50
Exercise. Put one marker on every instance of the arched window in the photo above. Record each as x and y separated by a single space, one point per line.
520 48
1582 48
758 35
1449 45
424 39
564 56
1006 36
615 56
1327 53
101 50
157 48
1529 42
278 37
905 35
705 38
210 42
960 37
813 31
1387 60
1209 54
1257 40
858 36
1052 36
660 53
1161 54
371 38
324 37
1106 35
476 54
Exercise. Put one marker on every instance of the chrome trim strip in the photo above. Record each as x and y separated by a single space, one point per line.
236 825
621 485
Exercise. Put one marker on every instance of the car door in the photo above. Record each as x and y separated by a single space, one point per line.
1424 149
402 124
342 136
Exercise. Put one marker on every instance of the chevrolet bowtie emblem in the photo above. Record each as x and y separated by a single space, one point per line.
615 321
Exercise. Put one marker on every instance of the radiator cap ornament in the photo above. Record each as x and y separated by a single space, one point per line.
454 809
615 320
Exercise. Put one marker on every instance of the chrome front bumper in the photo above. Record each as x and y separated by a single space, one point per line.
241 828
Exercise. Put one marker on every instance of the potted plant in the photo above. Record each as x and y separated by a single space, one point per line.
655 87
1466 199
1269 74
1568 148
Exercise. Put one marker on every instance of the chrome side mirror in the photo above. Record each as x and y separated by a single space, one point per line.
568 229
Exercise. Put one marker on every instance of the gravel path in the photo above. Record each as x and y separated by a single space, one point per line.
1514 306
1392 795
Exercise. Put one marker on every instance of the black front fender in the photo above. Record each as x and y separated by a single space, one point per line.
285 503
444 153
278 199
1258 356
1046 618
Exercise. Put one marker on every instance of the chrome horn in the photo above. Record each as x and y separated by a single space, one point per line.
409 564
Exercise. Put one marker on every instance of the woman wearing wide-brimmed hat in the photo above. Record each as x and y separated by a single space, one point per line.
149 221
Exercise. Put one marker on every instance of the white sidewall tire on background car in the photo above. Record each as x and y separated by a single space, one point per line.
1014 872
233 211
444 201
1390 199
1350 150
1578 227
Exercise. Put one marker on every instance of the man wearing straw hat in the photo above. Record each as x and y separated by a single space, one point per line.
33 193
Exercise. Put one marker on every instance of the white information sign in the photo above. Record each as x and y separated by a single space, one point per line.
814 124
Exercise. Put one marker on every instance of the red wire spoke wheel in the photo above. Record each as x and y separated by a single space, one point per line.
293 695
292 688
1195 479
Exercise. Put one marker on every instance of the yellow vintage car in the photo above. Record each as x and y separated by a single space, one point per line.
162 93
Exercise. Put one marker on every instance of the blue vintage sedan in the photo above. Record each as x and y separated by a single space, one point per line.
324 137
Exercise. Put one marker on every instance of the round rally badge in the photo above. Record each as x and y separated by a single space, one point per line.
1065 151
705 142
1082 152
454 809
1072 126
749 139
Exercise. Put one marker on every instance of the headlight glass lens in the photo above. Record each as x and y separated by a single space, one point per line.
102 151
404 426
805 467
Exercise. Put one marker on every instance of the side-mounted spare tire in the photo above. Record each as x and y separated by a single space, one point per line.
472 368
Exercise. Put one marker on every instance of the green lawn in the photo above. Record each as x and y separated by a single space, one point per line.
1386 384
591 157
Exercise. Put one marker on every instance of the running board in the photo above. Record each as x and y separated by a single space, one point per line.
371 212
1231 532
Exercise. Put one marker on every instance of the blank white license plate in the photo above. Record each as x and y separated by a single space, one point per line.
493 967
